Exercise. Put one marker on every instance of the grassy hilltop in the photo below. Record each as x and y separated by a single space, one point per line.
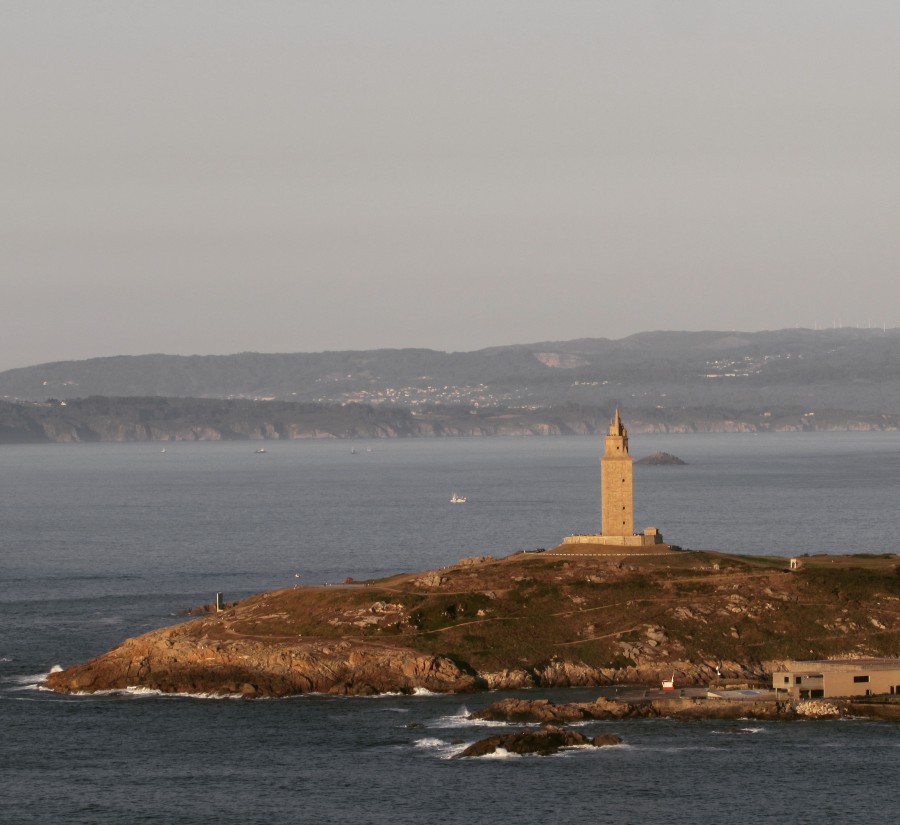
525 620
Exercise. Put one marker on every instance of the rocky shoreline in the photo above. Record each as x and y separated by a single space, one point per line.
172 660
545 712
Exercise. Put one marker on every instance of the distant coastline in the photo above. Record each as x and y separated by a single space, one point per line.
791 380
151 419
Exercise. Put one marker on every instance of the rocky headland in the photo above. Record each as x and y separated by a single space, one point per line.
531 619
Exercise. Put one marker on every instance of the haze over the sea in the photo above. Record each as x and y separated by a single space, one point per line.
207 177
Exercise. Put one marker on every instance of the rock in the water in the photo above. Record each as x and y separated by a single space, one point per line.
544 711
529 710
605 740
661 459
545 741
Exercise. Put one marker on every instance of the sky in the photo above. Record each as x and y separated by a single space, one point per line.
215 176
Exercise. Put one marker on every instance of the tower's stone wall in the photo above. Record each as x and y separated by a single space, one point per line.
617 517
616 497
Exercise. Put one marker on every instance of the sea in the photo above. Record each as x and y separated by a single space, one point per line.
99 542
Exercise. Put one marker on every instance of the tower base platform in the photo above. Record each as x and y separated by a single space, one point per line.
649 538
648 543
610 551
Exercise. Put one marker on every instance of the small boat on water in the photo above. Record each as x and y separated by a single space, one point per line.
456 499
261 450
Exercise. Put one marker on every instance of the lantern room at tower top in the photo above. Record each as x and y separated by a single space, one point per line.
617 497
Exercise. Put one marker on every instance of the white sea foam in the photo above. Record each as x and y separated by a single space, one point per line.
455 719
460 719
5 659
138 692
420 691
30 681
740 730
386 695
501 753
438 746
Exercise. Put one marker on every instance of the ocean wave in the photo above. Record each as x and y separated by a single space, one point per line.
138 692
740 730
574 750
460 719
678 749
386 695
443 749
30 681
25 679
500 753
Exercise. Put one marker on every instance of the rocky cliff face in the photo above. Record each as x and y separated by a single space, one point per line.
171 660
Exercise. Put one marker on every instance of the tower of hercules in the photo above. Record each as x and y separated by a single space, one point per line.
617 507
617 504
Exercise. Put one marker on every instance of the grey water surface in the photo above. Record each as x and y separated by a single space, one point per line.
101 542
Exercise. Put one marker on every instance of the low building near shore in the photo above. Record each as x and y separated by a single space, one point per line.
838 677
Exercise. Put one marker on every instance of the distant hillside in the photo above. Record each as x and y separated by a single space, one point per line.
737 374
191 419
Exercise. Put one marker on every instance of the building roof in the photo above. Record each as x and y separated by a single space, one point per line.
841 665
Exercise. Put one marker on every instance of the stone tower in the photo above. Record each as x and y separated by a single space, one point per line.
615 483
